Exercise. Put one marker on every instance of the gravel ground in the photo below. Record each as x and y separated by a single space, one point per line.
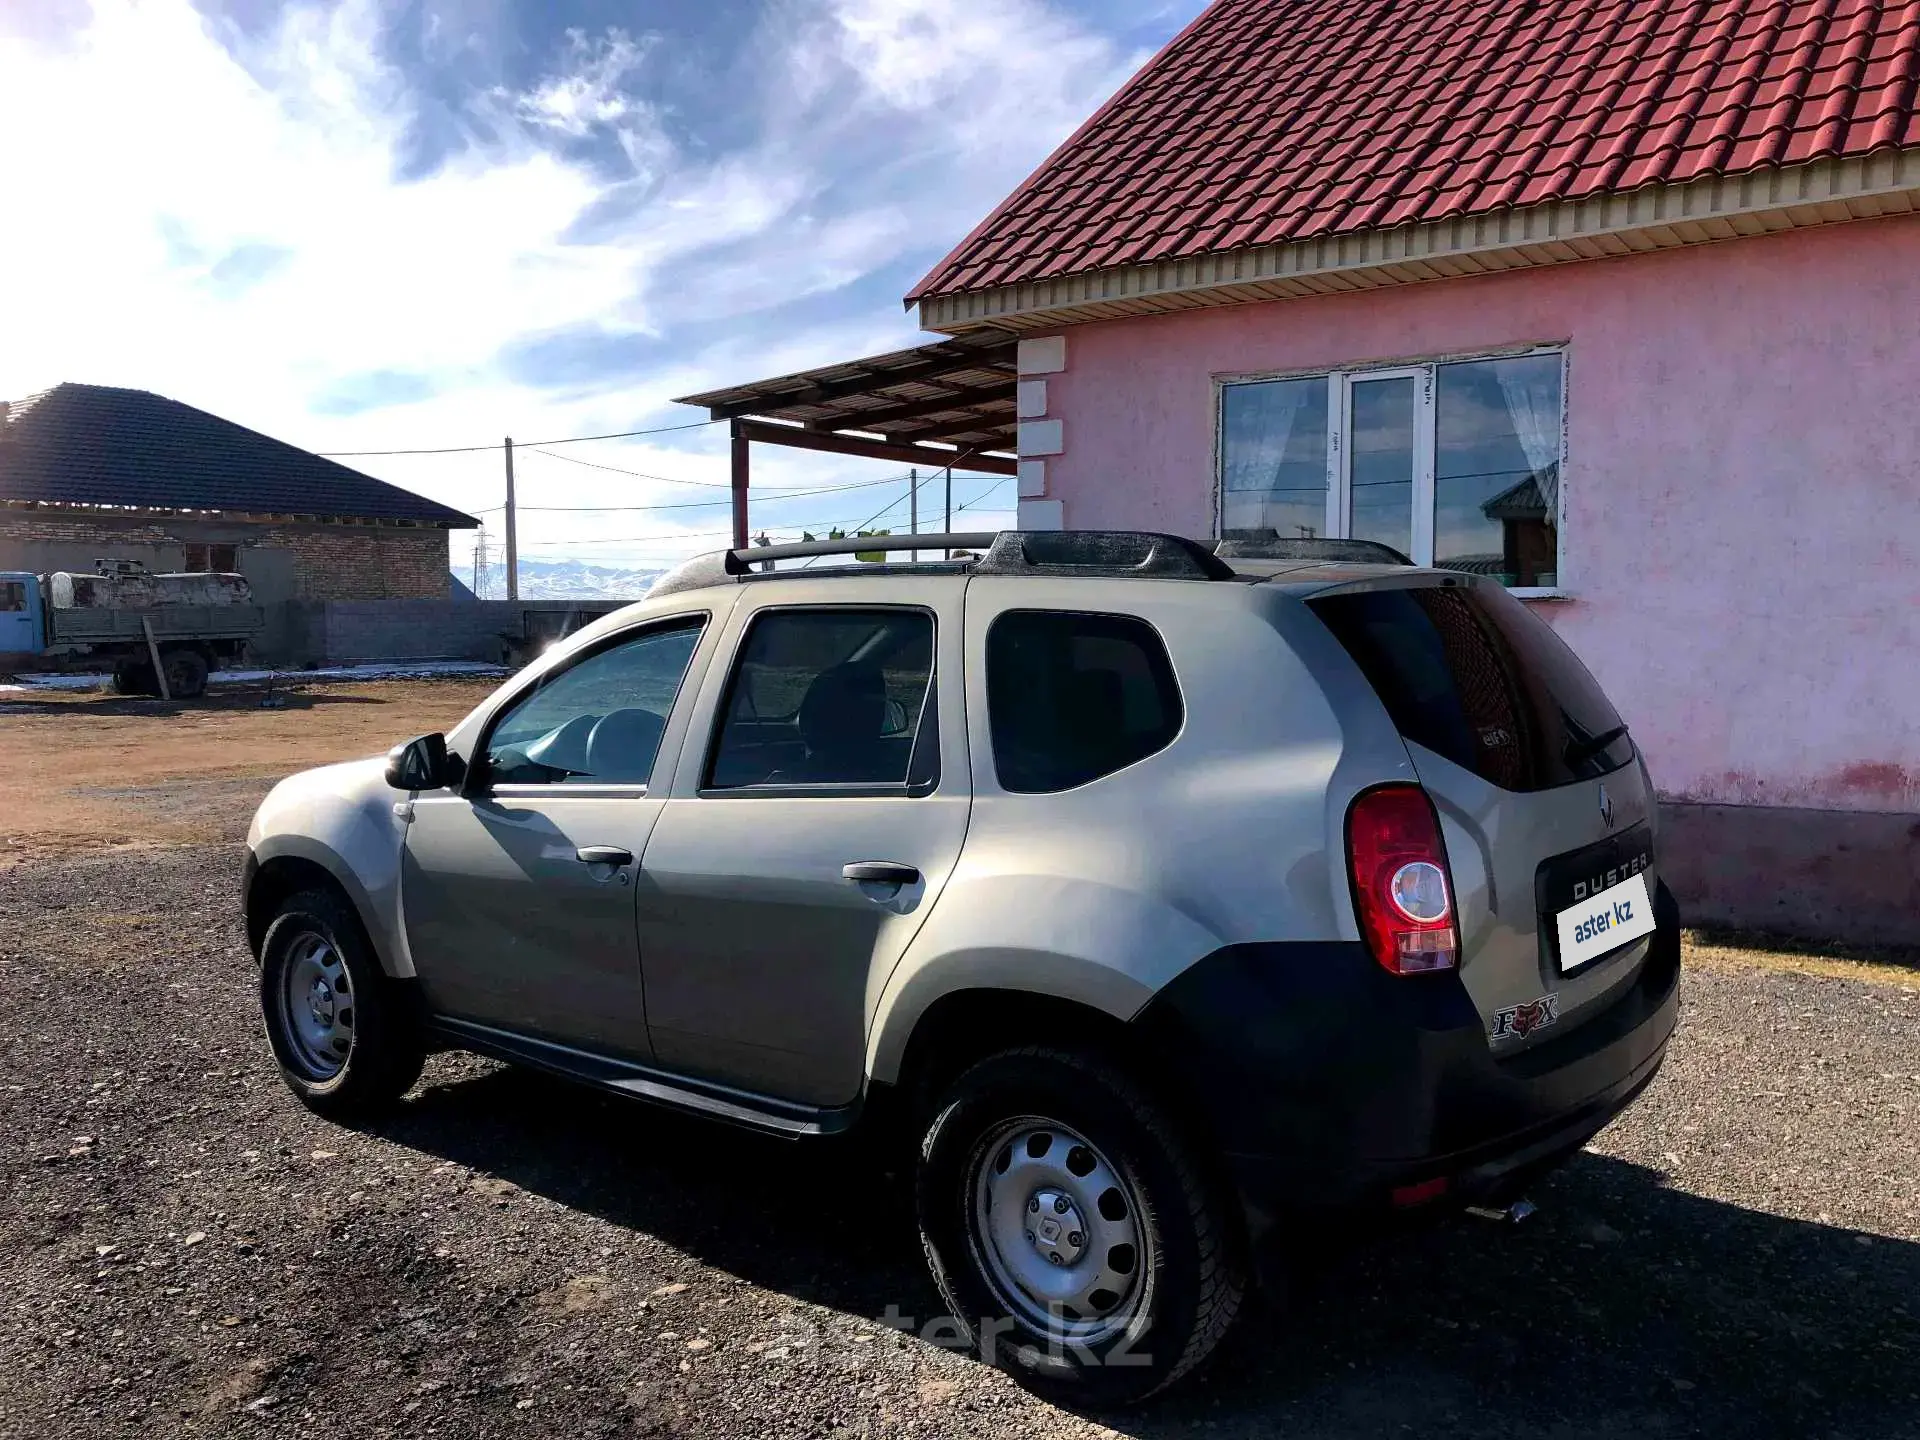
185 1250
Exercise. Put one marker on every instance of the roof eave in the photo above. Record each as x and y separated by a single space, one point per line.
1653 217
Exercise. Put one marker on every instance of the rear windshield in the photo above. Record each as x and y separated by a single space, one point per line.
1472 674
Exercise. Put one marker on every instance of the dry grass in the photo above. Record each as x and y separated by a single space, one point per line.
1733 950
89 771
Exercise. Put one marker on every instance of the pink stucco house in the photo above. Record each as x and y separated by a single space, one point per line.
1618 301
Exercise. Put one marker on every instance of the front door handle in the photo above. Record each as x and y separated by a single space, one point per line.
603 855
880 872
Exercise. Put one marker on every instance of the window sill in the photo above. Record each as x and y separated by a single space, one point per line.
1540 592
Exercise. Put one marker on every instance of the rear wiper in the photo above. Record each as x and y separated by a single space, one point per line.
1578 750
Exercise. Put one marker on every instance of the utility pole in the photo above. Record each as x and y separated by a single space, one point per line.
513 534
949 520
913 507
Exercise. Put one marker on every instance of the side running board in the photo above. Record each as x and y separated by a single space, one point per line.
658 1087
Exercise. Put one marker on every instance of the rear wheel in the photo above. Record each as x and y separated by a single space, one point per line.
341 1029
1071 1232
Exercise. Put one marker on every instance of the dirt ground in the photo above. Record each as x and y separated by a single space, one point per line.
185 1250
89 770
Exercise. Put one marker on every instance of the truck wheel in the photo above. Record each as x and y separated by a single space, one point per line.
1073 1234
342 1031
135 677
186 673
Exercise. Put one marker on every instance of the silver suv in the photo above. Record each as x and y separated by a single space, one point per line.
1174 904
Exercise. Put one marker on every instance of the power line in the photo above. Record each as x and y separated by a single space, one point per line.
789 525
475 449
709 504
622 470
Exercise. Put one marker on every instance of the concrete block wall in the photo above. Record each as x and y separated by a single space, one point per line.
350 632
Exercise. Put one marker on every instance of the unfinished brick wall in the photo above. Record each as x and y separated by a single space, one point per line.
310 562
352 562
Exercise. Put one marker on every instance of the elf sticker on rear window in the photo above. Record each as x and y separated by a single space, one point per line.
1517 1021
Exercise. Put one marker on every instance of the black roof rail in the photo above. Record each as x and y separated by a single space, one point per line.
718 567
742 562
1269 546
1144 553
1007 552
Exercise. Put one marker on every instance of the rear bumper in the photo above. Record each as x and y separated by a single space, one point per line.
1328 1084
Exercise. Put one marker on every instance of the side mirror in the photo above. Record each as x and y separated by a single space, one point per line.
421 764
896 719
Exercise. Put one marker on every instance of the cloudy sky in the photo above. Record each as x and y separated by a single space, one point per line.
424 223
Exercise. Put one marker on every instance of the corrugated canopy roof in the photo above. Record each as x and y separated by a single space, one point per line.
953 392
95 445
1272 121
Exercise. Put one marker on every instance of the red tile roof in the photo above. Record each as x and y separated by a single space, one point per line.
1279 120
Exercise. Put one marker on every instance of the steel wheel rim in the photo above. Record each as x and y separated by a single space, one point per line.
1057 1231
317 1007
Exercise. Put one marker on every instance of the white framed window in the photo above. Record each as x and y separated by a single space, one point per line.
1455 463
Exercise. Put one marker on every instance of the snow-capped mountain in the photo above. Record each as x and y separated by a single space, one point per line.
564 580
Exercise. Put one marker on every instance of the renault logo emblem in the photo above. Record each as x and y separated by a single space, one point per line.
1606 807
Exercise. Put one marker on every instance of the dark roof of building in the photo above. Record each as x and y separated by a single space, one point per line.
96 445
1270 121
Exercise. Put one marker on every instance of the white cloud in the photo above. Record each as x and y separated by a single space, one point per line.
228 223
577 101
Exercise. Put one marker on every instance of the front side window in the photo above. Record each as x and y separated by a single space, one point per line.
1072 697
599 721
830 697
13 596
1455 464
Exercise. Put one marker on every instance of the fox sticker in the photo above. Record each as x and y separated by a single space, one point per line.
1519 1021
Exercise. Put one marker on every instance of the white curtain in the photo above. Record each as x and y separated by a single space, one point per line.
1261 426
1531 388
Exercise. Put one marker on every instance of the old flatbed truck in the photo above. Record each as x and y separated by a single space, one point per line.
124 615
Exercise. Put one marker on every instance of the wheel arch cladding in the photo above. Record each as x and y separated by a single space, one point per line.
291 868
963 1026
1059 937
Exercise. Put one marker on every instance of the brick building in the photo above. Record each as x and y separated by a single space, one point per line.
89 472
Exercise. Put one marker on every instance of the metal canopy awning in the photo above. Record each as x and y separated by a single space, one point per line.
948 404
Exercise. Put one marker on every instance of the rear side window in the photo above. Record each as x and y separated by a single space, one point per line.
1072 697
830 697
1472 674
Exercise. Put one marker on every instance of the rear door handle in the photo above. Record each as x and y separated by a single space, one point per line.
603 855
880 872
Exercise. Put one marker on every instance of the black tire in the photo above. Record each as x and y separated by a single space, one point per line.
1190 1269
134 678
384 1054
186 673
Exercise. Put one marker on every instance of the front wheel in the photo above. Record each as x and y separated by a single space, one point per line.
133 678
1071 1232
341 1030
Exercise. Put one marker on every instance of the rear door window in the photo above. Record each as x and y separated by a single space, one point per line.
1470 673
833 697
1072 697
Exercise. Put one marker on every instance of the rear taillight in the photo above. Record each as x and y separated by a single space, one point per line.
1402 890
